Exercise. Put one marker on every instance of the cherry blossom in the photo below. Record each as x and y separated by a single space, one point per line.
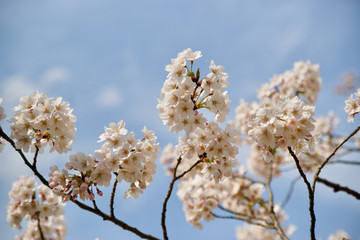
40 120
352 105
184 94
36 204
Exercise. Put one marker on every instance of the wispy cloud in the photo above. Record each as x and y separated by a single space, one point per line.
55 74
15 87
109 97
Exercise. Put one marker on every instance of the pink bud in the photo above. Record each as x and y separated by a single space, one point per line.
100 193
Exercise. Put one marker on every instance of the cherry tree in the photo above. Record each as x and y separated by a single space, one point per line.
280 128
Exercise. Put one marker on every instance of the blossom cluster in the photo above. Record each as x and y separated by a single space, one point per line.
81 183
132 159
184 93
40 120
352 106
129 158
213 145
303 81
46 209
287 124
282 117
237 194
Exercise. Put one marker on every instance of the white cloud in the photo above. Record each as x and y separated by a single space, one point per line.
55 74
109 97
15 87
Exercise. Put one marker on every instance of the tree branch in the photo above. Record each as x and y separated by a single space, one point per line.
338 187
36 155
85 207
112 198
171 186
311 194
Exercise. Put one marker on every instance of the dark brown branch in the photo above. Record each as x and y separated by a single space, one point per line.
163 213
337 187
112 198
311 194
85 207
175 178
35 155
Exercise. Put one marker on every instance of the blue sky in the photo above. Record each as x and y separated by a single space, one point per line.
107 59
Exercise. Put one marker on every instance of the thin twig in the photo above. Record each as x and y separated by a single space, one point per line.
83 206
311 194
344 162
337 187
331 155
175 178
248 220
112 198
191 168
291 189
249 179
271 203
243 215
